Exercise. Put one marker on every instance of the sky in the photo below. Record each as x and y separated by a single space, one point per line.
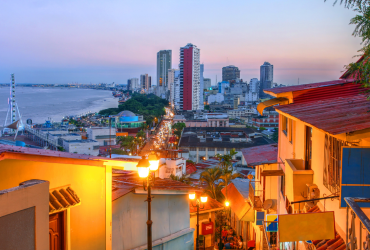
111 41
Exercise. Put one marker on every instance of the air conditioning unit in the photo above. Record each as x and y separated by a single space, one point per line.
313 192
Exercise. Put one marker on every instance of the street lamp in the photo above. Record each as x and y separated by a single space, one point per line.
146 168
203 199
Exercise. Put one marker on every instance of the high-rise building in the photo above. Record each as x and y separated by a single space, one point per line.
266 79
133 84
201 87
171 77
189 77
175 89
164 63
230 73
207 83
145 81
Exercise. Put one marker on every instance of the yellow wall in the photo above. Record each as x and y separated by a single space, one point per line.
32 196
296 150
88 220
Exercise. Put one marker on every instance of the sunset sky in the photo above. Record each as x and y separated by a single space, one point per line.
111 41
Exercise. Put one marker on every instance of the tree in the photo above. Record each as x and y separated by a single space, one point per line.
127 143
181 179
178 127
206 107
360 70
225 161
211 176
228 177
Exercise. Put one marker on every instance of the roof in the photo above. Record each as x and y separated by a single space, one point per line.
51 153
238 201
126 113
335 109
211 204
260 154
22 185
61 199
124 182
304 86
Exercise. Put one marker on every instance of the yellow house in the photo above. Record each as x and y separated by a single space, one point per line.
318 122
80 193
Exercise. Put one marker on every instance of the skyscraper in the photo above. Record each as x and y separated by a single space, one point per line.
230 73
133 84
201 87
266 79
207 83
145 81
164 63
189 77
171 77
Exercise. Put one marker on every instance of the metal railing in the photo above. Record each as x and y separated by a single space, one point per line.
364 224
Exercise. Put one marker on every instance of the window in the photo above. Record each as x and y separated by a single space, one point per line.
291 123
239 158
284 124
308 155
332 163
282 185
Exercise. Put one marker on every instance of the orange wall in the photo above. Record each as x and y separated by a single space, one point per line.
88 220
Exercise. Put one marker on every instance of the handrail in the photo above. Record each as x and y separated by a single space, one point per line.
264 231
352 203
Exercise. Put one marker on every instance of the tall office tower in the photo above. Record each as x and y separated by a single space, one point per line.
144 81
267 75
201 87
207 83
230 73
129 87
164 63
171 77
189 77
134 83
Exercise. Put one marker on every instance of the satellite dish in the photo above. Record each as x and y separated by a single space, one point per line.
270 204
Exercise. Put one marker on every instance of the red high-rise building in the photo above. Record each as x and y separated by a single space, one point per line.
189 77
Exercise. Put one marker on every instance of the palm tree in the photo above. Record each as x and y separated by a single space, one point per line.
211 177
226 163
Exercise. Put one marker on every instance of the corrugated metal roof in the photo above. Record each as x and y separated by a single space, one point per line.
304 86
46 152
260 154
334 109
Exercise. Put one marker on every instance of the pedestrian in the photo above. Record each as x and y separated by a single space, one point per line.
227 245
224 234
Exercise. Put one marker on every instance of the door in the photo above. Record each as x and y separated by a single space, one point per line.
56 231
308 148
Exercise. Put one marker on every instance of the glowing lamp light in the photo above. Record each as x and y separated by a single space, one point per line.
192 196
227 203
153 161
143 172
143 168
203 199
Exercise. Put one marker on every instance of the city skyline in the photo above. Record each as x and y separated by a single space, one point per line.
88 42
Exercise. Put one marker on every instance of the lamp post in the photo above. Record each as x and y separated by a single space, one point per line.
146 169
203 199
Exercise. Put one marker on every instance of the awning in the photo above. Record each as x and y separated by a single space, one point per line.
271 102
62 198
272 173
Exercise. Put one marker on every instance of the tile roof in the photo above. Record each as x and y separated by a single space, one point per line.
334 109
62 198
52 153
124 182
305 86
260 154
334 244
211 204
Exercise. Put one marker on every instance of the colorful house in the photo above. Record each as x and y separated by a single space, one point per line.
79 212
323 151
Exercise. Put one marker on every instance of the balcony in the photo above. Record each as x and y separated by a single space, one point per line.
296 178
254 196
